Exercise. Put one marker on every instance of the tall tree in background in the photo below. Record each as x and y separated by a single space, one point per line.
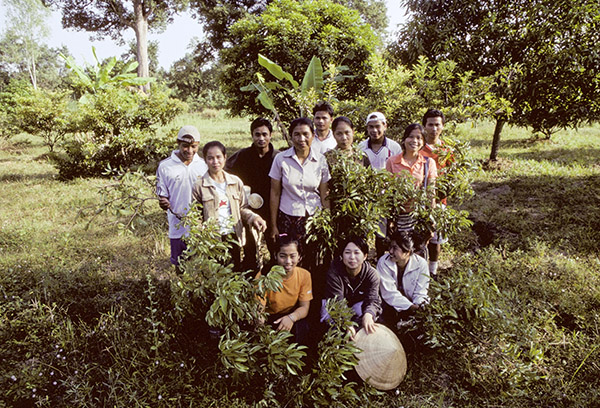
25 33
291 33
217 16
111 18
545 54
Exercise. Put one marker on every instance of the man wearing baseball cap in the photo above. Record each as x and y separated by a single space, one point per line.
175 179
378 147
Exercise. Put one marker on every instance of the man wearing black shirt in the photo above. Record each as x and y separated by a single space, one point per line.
252 165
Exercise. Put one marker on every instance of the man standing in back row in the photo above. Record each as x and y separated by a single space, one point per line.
433 122
252 165
175 178
323 116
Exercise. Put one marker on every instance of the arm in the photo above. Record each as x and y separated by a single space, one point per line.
372 303
274 199
324 193
248 216
286 322
162 191
420 294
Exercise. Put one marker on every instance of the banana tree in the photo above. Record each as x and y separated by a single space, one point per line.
100 75
304 94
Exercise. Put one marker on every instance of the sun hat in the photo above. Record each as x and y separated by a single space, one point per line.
373 116
382 362
188 134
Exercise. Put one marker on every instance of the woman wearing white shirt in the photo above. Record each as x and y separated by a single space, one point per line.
404 279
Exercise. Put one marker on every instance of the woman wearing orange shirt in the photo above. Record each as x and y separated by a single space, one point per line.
410 161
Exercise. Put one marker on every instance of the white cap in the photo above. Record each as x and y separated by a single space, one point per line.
188 134
373 116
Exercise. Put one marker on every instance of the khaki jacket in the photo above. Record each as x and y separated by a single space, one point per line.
206 193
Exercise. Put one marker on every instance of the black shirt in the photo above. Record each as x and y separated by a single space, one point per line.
254 172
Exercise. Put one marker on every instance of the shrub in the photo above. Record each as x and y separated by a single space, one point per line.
9 117
46 114
118 127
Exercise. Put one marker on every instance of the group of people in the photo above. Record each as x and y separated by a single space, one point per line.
292 185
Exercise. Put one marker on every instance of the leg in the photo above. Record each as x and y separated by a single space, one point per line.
177 248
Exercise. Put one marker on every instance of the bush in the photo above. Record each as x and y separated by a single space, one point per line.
117 128
9 117
46 114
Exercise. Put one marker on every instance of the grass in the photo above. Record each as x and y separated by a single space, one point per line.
526 325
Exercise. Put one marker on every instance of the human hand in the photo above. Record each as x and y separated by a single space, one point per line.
274 233
284 323
164 203
352 332
368 323
259 224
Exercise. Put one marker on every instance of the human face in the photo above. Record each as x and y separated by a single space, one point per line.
187 151
414 142
433 129
344 136
398 255
215 160
302 137
376 130
322 122
353 258
261 137
288 257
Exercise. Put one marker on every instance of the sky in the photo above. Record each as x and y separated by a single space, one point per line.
173 42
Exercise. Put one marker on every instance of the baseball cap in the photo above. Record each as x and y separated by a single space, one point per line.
188 134
373 116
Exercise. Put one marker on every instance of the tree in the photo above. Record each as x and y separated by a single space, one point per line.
113 17
196 83
50 70
26 30
544 53
291 33
217 16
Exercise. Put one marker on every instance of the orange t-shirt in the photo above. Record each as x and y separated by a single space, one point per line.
397 164
296 288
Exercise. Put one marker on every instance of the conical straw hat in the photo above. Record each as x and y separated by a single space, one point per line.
382 362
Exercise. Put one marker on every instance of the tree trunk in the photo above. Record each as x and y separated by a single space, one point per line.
496 140
141 36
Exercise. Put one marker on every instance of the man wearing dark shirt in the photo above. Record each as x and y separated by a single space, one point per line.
252 165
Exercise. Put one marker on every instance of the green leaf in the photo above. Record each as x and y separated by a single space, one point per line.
276 70
313 78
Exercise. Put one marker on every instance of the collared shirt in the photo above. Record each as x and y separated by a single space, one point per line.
175 180
378 158
414 278
299 182
397 164
323 146
254 172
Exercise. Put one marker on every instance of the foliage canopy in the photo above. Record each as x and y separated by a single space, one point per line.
291 33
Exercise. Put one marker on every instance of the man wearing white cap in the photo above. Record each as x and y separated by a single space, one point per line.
378 147
175 179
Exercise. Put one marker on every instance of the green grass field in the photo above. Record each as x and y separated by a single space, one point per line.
517 303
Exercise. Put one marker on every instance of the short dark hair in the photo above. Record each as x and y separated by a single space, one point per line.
403 239
323 107
408 131
340 119
214 143
284 240
301 121
357 240
258 122
433 113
